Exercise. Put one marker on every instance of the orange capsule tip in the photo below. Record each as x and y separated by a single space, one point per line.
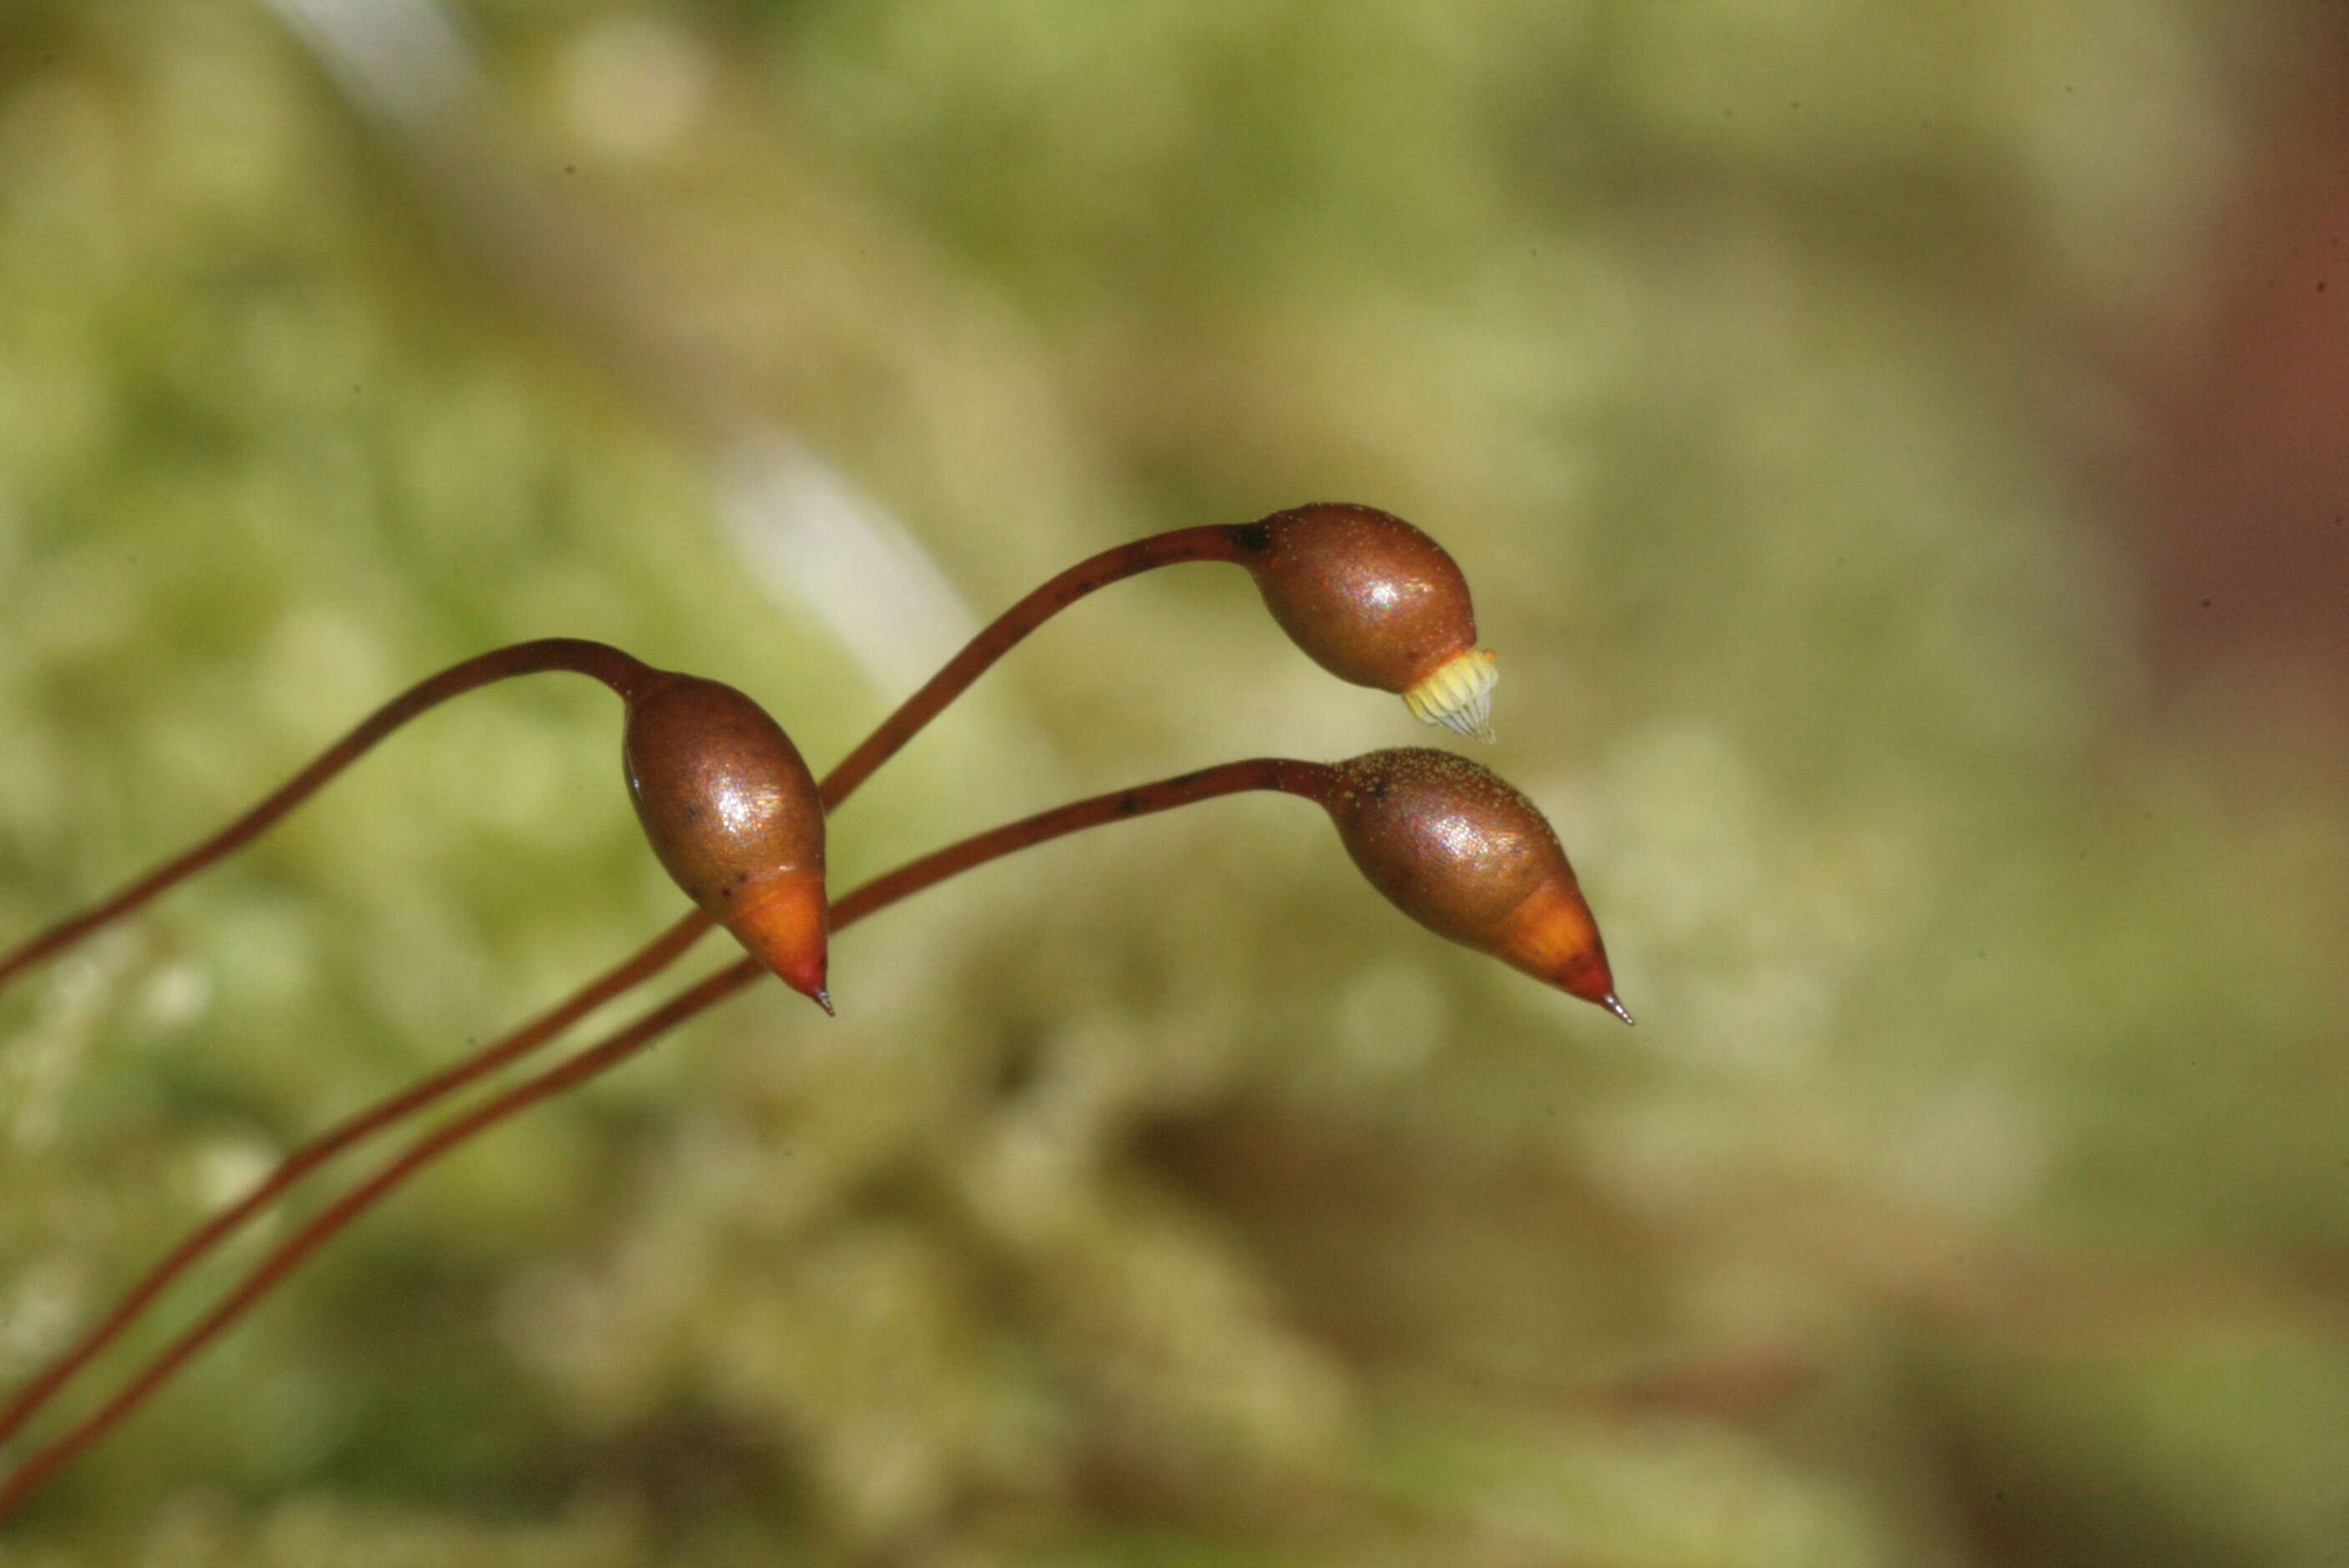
784 926
1584 975
1553 937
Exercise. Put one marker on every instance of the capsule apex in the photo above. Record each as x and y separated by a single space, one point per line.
784 926
1457 694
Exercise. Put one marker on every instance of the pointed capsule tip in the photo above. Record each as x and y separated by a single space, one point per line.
1616 1008
822 997
783 925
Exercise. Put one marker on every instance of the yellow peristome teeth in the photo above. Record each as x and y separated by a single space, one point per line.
1458 693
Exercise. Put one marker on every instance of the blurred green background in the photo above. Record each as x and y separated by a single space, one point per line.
1896 452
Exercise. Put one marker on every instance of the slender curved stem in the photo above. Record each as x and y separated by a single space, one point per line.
335 1215
641 966
598 661
625 674
1234 543
1304 778
1286 775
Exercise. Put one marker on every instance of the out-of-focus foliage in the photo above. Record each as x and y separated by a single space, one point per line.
1973 1191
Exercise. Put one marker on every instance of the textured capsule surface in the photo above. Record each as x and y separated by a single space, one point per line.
1374 600
1465 854
733 814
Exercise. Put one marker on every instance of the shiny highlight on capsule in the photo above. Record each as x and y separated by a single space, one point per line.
1456 848
733 814
1374 600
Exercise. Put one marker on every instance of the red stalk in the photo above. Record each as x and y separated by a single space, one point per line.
1309 779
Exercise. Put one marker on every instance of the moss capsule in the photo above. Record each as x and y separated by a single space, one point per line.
733 814
1466 856
1374 600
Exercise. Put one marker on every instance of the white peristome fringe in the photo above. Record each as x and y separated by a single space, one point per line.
1458 693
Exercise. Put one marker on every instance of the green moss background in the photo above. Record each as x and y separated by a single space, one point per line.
1974 1190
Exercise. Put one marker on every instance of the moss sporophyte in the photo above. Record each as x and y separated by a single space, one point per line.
737 820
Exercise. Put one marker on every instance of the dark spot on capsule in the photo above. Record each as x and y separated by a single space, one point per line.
1255 538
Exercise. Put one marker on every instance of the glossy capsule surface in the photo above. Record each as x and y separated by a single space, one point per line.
1374 600
1464 853
733 814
